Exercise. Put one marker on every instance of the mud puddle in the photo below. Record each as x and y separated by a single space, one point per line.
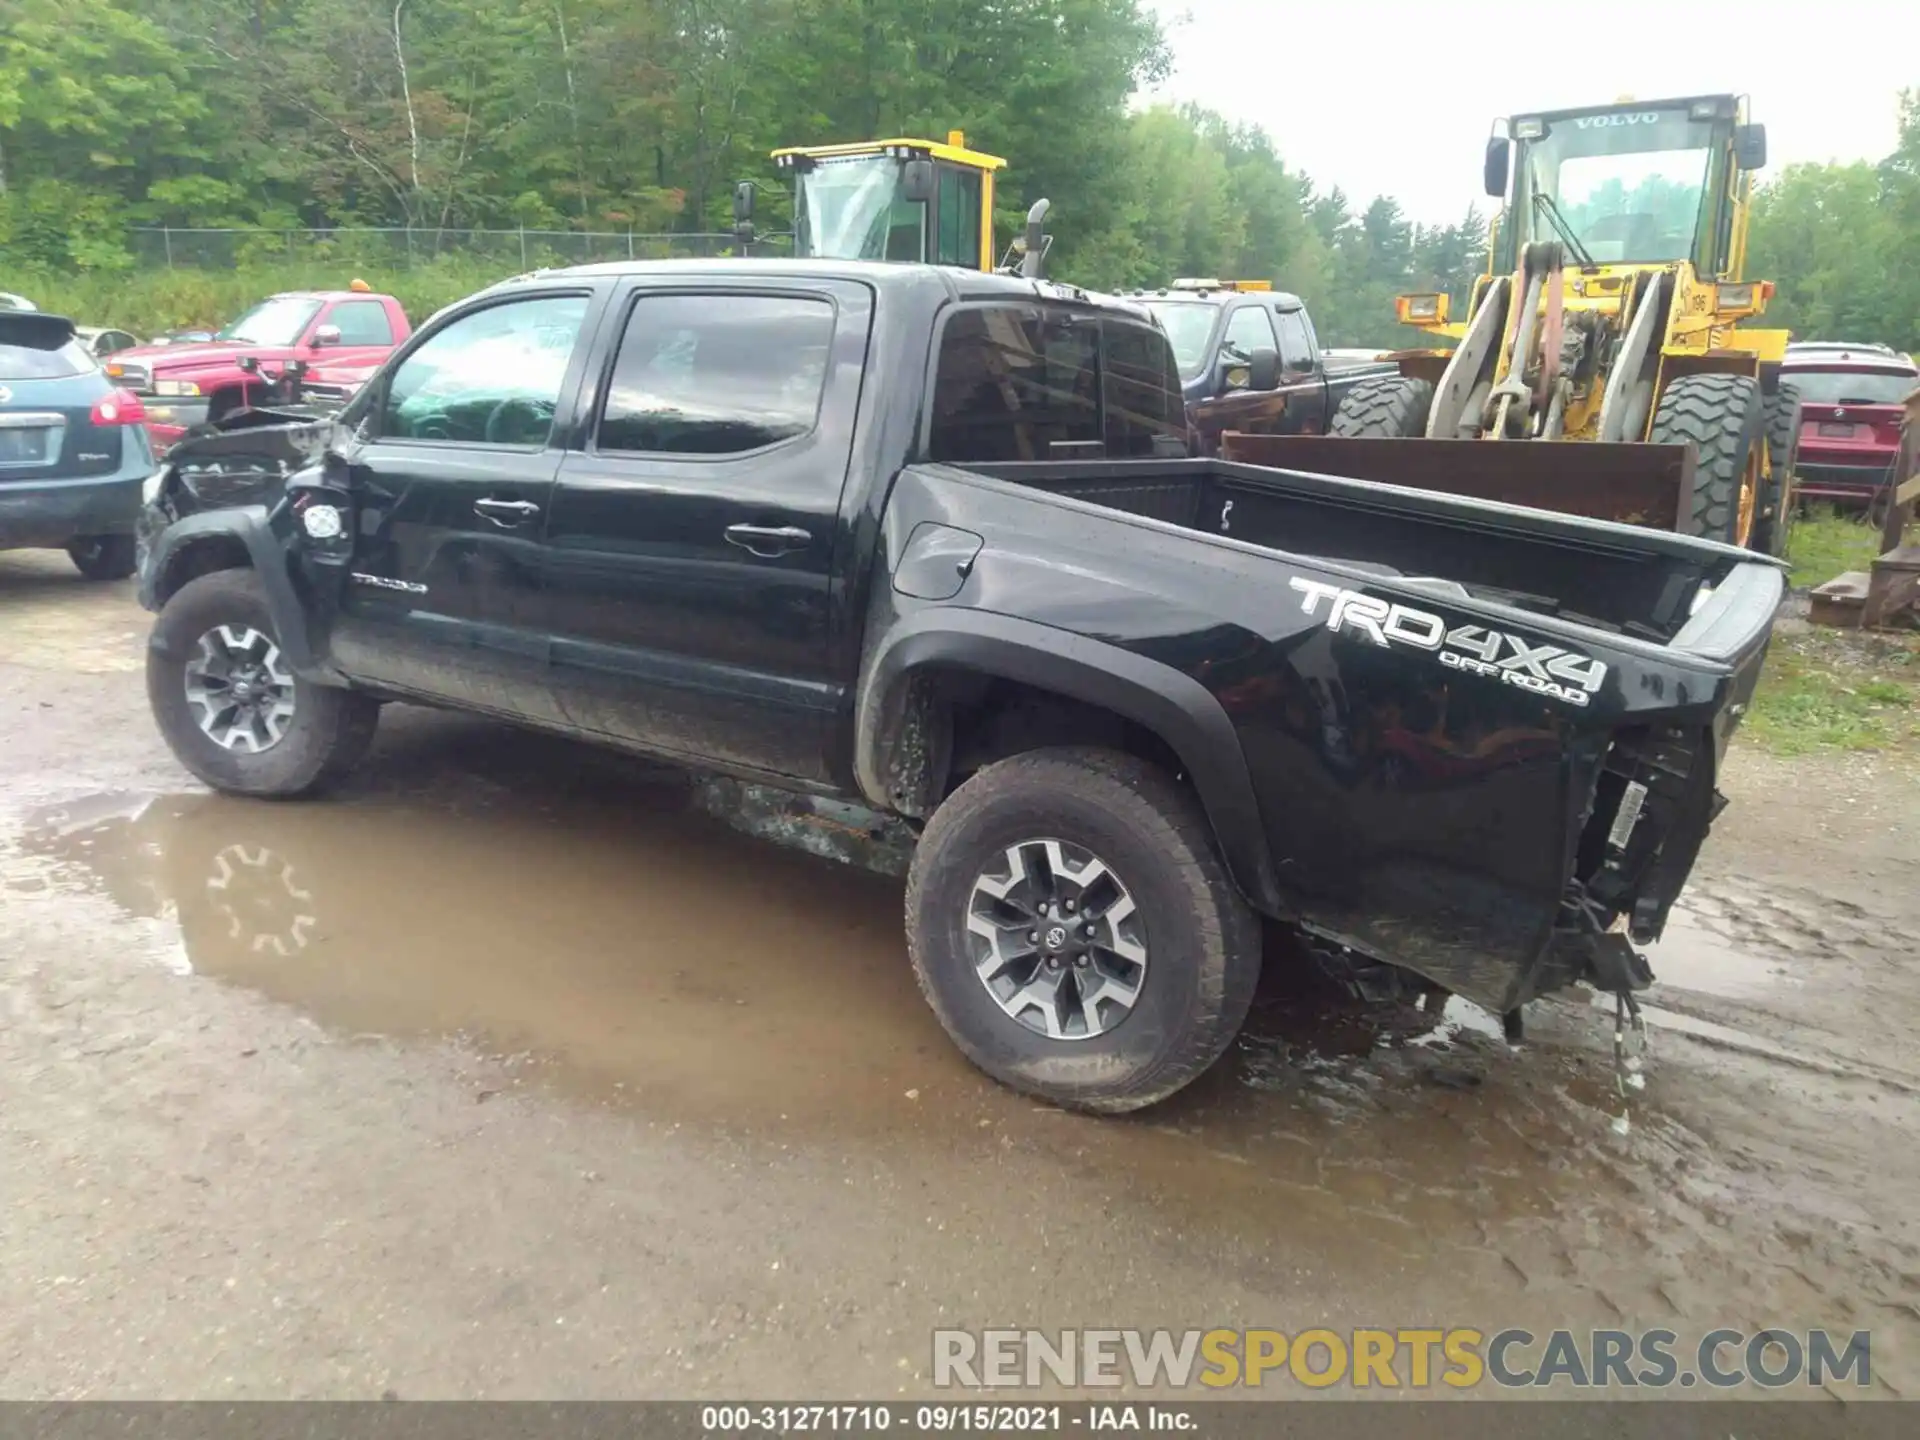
1700 952
536 903
652 956
638 946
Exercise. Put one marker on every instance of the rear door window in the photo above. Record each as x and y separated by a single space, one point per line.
717 374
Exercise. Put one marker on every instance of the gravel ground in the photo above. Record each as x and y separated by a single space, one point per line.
502 1075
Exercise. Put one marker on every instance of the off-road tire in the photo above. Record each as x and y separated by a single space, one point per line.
1774 521
103 557
1725 418
1393 407
1202 940
330 729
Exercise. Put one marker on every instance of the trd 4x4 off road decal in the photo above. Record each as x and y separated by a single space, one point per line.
1512 659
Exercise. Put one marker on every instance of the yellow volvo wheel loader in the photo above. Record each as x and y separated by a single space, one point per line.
922 201
1609 323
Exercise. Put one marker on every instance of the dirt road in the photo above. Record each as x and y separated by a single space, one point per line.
502 1075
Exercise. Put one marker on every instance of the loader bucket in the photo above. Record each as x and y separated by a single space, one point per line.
1648 485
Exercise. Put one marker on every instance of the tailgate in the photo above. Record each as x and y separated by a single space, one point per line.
47 430
1732 628
1844 430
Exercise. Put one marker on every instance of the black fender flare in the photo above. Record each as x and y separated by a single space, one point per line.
1167 702
252 527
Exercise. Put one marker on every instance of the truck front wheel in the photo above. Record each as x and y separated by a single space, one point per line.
231 709
1075 932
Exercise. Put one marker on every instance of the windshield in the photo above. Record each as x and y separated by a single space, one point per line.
1853 387
1187 325
279 321
1617 187
853 210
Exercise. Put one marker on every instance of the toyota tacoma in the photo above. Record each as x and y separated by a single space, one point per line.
807 525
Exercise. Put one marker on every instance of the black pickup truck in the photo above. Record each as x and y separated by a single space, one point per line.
1249 359
803 524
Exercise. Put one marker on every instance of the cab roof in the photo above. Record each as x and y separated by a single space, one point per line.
953 148
883 275
1183 294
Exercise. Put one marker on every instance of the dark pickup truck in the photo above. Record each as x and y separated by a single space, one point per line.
1249 359
732 514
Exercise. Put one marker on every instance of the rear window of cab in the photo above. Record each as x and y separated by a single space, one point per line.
31 362
1851 385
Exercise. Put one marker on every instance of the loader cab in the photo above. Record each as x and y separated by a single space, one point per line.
1635 183
921 201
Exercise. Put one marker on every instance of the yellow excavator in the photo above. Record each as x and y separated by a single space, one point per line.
1610 314
922 201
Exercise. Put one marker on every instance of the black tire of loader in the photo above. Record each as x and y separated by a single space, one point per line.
1393 407
1204 938
1725 418
1774 521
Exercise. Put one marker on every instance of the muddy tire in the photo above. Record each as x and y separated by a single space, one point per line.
103 557
1393 407
232 711
1106 1014
1725 418
1774 520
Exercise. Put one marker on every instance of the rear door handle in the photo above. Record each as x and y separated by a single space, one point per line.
506 513
768 541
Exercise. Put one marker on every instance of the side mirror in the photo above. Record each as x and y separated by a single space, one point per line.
916 181
327 335
1259 371
1750 146
1495 170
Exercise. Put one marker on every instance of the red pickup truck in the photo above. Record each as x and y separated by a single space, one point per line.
183 385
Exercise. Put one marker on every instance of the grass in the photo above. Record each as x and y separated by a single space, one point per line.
1835 690
150 302
1823 545
1825 690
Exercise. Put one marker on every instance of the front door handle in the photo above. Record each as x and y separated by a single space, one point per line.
767 541
506 513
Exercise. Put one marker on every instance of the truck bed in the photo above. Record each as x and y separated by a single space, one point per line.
1620 579
1484 739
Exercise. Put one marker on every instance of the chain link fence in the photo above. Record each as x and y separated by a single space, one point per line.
169 247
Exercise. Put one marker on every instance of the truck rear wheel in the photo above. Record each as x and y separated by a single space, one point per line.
1725 418
1777 501
229 707
1393 407
1075 932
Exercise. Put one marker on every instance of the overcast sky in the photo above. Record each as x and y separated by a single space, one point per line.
1824 79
